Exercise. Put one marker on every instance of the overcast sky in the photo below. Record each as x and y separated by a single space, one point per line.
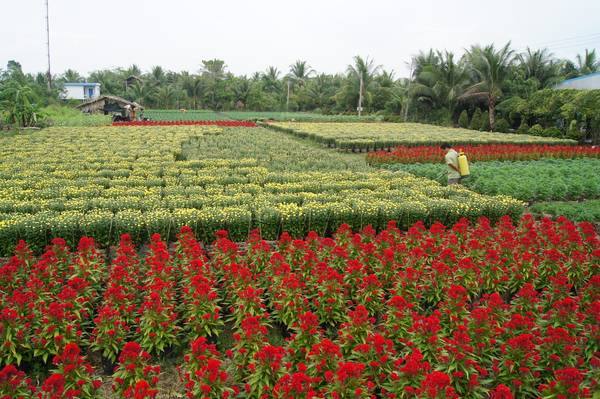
251 35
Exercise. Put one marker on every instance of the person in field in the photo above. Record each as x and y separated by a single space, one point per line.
451 159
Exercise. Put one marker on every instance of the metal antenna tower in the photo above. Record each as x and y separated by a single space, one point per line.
49 75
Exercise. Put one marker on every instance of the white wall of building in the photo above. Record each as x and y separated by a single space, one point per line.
81 91
74 93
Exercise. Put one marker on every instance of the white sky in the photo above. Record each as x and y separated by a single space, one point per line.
253 34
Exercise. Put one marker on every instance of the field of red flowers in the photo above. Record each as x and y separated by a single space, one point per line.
224 123
470 311
484 152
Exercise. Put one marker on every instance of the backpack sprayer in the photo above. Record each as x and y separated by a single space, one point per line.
463 164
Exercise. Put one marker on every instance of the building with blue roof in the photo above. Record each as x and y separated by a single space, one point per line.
585 82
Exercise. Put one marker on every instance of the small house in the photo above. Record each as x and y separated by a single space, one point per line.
81 91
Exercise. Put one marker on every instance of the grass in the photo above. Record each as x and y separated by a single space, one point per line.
188 115
202 115
66 116
298 116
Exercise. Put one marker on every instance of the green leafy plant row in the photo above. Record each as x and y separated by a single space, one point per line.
543 180
299 116
202 115
588 210
182 115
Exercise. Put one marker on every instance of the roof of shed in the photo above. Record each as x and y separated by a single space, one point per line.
100 101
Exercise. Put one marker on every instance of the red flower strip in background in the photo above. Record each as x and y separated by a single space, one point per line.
484 152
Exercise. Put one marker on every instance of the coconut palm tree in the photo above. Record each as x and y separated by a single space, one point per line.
157 73
270 79
214 68
588 62
133 70
241 89
194 88
365 68
423 60
300 71
489 67
540 65
321 90
142 93
71 75
165 96
361 76
441 82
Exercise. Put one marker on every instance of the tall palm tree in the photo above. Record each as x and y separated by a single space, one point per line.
256 76
143 93
363 67
157 73
386 78
214 68
321 89
300 71
71 75
133 70
490 68
194 88
110 81
365 70
165 96
440 82
241 89
424 59
588 62
540 65
270 79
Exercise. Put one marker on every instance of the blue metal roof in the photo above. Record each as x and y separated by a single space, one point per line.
589 75
82 84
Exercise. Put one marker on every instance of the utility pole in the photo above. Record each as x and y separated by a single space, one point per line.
412 62
360 96
49 77
287 102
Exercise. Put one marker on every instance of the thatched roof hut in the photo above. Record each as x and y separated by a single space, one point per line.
107 104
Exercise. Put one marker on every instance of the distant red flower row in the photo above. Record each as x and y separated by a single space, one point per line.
187 123
486 152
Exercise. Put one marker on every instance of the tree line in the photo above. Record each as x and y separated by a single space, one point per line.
440 86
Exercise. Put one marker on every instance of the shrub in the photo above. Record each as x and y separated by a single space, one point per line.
536 130
393 118
573 131
463 119
523 127
502 126
476 120
485 122
552 132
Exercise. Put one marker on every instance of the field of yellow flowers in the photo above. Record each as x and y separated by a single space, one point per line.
106 181
377 136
